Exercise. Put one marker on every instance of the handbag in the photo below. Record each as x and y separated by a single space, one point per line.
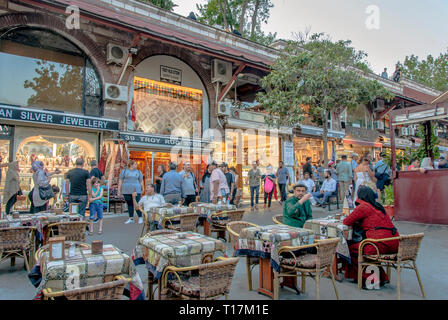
358 233
268 185
46 193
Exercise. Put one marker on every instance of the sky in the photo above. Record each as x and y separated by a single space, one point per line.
387 30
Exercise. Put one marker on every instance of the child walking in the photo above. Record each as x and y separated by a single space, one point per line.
96 206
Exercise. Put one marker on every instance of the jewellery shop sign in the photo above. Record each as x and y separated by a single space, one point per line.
162 141
56 118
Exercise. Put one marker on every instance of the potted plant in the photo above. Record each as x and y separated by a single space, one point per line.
389 200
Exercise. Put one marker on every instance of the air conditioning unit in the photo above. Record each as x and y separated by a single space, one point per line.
116 93
117 54
379 125
411 131
379 105
404 131
221 71
224 109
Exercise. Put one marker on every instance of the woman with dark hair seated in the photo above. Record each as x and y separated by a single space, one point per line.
369 219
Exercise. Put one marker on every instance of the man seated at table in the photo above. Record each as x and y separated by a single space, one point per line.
326 191
151 199
297 209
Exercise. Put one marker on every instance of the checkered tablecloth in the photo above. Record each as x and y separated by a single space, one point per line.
157 252
86 269
160 213
329 227
38 220
265 241
206 210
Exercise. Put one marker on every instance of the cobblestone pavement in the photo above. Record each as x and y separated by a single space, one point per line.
431 261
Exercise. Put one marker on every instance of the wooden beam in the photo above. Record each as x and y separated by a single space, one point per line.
231 82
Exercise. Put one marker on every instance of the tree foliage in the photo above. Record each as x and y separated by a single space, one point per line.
163 4
431 71
244 16
321 75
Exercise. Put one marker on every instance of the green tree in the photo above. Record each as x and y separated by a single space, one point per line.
163 4
321 75
432 72
244 16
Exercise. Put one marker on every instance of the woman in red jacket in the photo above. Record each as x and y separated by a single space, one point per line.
376 224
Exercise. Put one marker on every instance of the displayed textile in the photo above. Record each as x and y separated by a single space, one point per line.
265 241
329 227
103 159
86 269
182 249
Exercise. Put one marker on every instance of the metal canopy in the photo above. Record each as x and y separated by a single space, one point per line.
419 114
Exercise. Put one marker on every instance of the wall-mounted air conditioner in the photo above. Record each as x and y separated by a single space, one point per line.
221 71
115 93
224 109
116 54
404 131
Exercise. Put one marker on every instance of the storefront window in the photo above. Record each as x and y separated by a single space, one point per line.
309 147
54 74
161 107
359 117
56 149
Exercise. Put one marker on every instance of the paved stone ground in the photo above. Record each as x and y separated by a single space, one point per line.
432 260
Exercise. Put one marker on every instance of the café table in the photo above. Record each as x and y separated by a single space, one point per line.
39 221
180 249
160 213
332 227
85 269
264 242
207 211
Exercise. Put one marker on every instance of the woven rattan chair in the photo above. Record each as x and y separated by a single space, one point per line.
313 265
219 226
234 228
188 222
107 291
146 223
151 282
72 230
278 219
67 245
17 242
405 258
213 280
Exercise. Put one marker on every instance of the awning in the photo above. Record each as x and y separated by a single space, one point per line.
363 143
242 124
316 131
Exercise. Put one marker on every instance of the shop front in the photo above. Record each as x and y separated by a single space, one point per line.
52 108
361 141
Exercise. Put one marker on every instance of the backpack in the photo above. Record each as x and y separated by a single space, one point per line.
268 185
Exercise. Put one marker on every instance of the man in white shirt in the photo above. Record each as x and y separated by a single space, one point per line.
151 199
327 190
219 188
310 186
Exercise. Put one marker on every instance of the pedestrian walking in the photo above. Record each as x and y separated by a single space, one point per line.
204 184
269 184
230 181
80 186
171 187
96 205
282 178
254 177
345 176
236 178
218 184
364 176
161 171
42 192
131 182
12 186
382 175
308 167
189 185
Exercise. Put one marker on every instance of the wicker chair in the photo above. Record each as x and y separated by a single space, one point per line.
67 244
212 282
72 230
405 258
219 226
146 223
278 219
312 264
17 242
234 228
188 222
107 291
